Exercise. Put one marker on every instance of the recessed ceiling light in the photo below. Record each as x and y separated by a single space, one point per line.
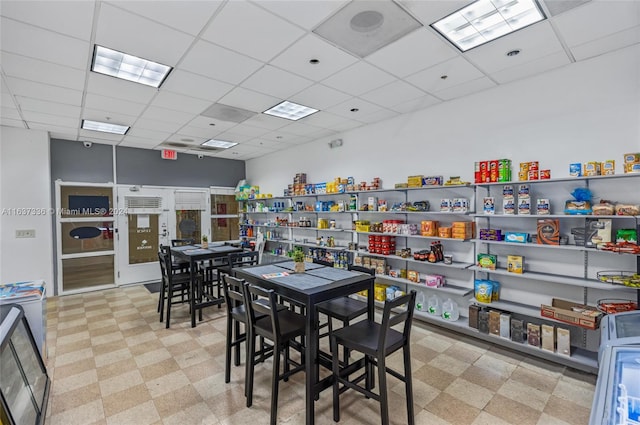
291 111
486 20
223 144
104 127
127 67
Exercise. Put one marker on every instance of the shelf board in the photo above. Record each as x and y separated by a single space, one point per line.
416 212
450 289
561 247
552 216
455 265
413 236
313 245
560 180
554 278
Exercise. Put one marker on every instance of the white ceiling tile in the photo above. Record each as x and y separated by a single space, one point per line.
418 50
10 113
532 68
9 122
219 63
183 15
163 114
205 123
99 115
349 125
364 108
276 82
42 72
164 126
179 102
358 78
457 70
71 18
38 117
164 45
429 12
265 121
534 42
51 93
606 44
105 85
331 59
281 136
249 131
266 144
45 107
393 94
320 97
465 88
138 142
378 116
63 135
416 104
250 30
306 14
597 19
249 100
6 100
145 133
70 133
45 45
325 119
230 136
300 129
197 133
190 84
111 104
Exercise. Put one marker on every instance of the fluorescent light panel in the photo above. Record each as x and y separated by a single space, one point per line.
104 127
219 144
291 111
128 67
486 20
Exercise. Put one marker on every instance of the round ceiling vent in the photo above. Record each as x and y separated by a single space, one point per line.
367 21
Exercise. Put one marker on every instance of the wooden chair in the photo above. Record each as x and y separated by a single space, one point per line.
376 341
279 326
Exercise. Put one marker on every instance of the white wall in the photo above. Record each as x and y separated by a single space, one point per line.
587 111
25 182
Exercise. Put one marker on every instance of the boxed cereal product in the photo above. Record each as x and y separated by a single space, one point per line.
487 261
548 231
515 264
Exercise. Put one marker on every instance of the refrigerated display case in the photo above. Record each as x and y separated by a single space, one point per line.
24 387
619 329
34 304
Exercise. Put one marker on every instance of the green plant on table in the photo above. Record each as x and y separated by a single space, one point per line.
298 256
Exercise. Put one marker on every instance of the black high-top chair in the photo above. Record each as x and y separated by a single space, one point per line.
376 341
174 283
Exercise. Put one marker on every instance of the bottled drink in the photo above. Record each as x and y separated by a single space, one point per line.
450 310
420 301
434 305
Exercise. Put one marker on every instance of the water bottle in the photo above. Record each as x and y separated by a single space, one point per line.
434 305
420 301
450 310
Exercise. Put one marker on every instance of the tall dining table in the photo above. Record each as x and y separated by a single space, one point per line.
317 284
195 254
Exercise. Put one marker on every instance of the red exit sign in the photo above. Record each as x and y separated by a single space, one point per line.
169 154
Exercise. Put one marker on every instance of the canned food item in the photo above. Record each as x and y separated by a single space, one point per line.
484 171
504 170
545 174
476 172
493 170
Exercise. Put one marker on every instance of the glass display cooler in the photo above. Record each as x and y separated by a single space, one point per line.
24 383
619 329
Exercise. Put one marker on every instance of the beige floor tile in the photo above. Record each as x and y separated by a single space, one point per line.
200 370
484 377
579 394
74 398
475 395
543 367
73 356
463 353
73 382
72 369
120 401
212 385
423 393
227 403
84 414
496 364
449 364
197 414
65 332
142 414
485 418
98 334
167 383
453 410
175 338
567 411
550 420
512 411
535 379
524 394
112 357
183 348
172 402
67 348
427 418
109 347
72 338
102 324
151 357
120 382
433 376
116 368
156 370
505 354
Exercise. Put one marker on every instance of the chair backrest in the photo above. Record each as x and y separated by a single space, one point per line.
396 311
323 262
182 242
242 259
252 294
362 269
162 258
233 289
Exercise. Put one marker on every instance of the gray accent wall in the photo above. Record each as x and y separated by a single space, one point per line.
71 161
146 167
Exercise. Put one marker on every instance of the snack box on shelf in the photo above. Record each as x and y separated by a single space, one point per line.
576 314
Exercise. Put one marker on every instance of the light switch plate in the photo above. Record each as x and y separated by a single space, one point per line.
26 233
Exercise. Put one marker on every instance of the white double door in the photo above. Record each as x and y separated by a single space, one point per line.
148 217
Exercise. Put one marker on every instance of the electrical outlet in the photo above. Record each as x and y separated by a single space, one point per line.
26 233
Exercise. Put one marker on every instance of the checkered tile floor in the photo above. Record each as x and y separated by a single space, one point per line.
112 362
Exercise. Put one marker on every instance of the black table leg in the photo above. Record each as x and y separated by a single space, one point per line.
311 351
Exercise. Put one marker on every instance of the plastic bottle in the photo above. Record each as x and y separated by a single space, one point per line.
450 310
420 301
434 305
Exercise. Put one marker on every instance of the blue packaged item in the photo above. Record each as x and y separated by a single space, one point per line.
482 290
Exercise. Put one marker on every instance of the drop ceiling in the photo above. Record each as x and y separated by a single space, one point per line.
247 56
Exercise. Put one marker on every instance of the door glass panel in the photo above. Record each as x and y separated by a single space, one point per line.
86 201
143 238
188 224
86 272
224 204
87 237
225 229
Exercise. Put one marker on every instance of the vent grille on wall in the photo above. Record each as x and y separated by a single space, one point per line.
143 202
190 200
